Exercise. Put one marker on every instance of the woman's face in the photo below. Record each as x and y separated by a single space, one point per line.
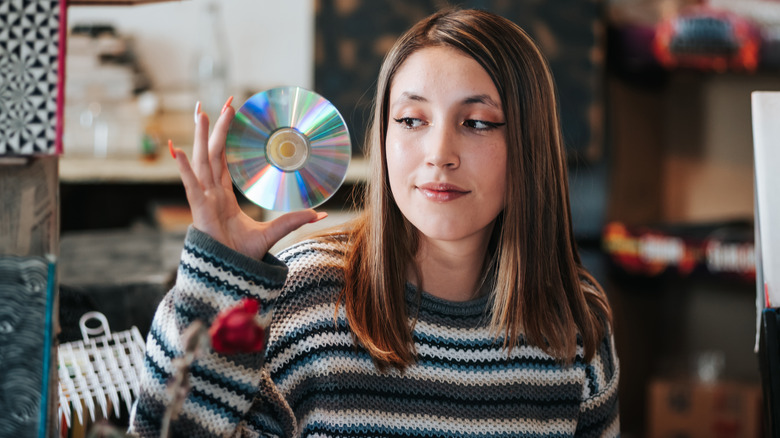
446 145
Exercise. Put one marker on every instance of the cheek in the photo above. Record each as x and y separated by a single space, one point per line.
493 169
398 161
498 189
491 163
500 169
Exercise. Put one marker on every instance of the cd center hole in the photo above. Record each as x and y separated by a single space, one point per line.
287 149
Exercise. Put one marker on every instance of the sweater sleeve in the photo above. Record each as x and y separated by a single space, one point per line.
599 414
210 278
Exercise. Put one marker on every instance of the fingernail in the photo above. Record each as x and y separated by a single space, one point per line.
227 104
320 216
197 111
170 148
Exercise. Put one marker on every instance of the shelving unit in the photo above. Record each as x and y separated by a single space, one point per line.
682 154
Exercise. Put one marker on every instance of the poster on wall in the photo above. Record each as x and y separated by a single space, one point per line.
32 34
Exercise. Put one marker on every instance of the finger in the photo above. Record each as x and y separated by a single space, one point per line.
227 180
217 143
191 184
200 162
287 223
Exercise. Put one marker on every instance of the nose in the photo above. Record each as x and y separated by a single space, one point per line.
442 148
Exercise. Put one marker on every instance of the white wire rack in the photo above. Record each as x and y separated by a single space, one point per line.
99 370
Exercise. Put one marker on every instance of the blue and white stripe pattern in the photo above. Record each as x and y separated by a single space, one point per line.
314 381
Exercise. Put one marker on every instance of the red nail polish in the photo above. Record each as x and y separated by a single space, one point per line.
170 148
227 104
320 216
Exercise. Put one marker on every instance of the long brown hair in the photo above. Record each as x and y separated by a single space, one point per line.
540 288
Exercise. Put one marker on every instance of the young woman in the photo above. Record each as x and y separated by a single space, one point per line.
455 305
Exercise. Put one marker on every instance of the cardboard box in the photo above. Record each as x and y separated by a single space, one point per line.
683 409
29 206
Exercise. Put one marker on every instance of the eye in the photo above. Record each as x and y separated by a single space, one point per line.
481 125
409 122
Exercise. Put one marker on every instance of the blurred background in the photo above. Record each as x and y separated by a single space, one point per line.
655 100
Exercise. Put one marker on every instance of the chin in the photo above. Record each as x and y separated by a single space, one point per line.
446 232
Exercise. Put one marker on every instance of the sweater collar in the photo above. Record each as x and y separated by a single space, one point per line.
429 302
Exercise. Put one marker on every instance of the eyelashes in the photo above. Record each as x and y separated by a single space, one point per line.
474 125
482 125
409 122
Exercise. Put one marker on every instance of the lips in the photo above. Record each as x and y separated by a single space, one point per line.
442 192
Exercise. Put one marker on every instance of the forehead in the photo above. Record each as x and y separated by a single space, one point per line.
441 69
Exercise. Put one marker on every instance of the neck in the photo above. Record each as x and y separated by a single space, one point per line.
451 270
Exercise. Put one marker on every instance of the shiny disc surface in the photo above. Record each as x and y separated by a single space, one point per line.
288 149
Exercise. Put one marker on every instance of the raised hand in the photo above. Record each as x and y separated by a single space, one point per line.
213 203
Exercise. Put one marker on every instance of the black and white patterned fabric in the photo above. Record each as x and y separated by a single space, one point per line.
30 45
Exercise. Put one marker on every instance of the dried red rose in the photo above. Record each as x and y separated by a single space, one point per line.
236 331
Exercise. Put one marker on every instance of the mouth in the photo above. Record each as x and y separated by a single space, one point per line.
442 192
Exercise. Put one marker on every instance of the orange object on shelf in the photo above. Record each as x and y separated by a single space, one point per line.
703 38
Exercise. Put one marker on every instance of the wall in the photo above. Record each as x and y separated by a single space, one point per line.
270 42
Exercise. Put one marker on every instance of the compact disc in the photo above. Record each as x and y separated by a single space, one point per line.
288 149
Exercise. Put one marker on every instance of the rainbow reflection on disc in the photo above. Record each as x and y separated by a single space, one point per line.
288 149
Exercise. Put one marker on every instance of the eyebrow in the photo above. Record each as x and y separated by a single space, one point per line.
470 100
406 95
481 98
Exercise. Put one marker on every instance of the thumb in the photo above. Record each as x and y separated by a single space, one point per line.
289 222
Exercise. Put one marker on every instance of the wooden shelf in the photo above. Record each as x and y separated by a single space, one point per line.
86 170
91 170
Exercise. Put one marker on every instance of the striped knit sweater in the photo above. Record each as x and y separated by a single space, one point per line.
314 381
